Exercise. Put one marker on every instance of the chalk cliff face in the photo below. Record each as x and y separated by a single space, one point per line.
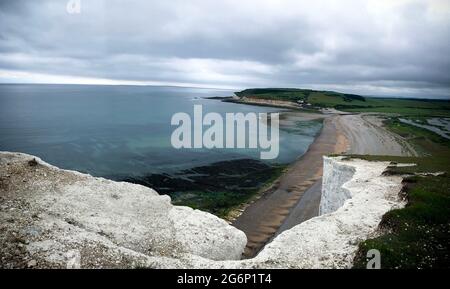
56 218
334 192
52 218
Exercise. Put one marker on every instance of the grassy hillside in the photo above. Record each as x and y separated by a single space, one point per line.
296 94
417 236
351 102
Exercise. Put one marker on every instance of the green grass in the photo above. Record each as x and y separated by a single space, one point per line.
276 94
295 94
405 107
353 103
336 100
417 236
426 142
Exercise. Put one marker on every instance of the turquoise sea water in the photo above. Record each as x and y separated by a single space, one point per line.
122 131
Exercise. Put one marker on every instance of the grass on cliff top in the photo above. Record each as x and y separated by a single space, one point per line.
417 236
296 94
353 103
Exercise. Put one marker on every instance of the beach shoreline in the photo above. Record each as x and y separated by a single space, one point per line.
261 219
288 117
268 102
294 197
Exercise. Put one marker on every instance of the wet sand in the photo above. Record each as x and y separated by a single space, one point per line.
306 208
262 218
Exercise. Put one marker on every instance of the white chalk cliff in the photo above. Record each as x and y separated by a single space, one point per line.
50 217
53 218
355 196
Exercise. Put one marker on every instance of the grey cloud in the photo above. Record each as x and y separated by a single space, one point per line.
399 48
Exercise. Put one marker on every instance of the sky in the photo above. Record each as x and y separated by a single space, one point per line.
368 47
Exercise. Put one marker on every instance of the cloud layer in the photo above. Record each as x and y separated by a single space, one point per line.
374 47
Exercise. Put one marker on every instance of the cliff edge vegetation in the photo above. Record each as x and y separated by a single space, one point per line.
416 236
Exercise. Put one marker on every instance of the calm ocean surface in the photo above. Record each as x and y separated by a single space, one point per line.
121 131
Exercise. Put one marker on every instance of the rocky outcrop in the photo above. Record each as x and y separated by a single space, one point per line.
57 218
53 218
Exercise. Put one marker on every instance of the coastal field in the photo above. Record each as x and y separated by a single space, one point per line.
350 102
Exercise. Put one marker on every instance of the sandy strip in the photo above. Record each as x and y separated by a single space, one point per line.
367 136
306 208
262 218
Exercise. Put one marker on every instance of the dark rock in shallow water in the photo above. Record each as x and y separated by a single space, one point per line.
216 187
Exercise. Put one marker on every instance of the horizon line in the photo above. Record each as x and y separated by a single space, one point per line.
445 98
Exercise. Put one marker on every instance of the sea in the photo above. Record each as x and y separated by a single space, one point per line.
124 132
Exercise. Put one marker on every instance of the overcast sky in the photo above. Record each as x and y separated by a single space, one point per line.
392 47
